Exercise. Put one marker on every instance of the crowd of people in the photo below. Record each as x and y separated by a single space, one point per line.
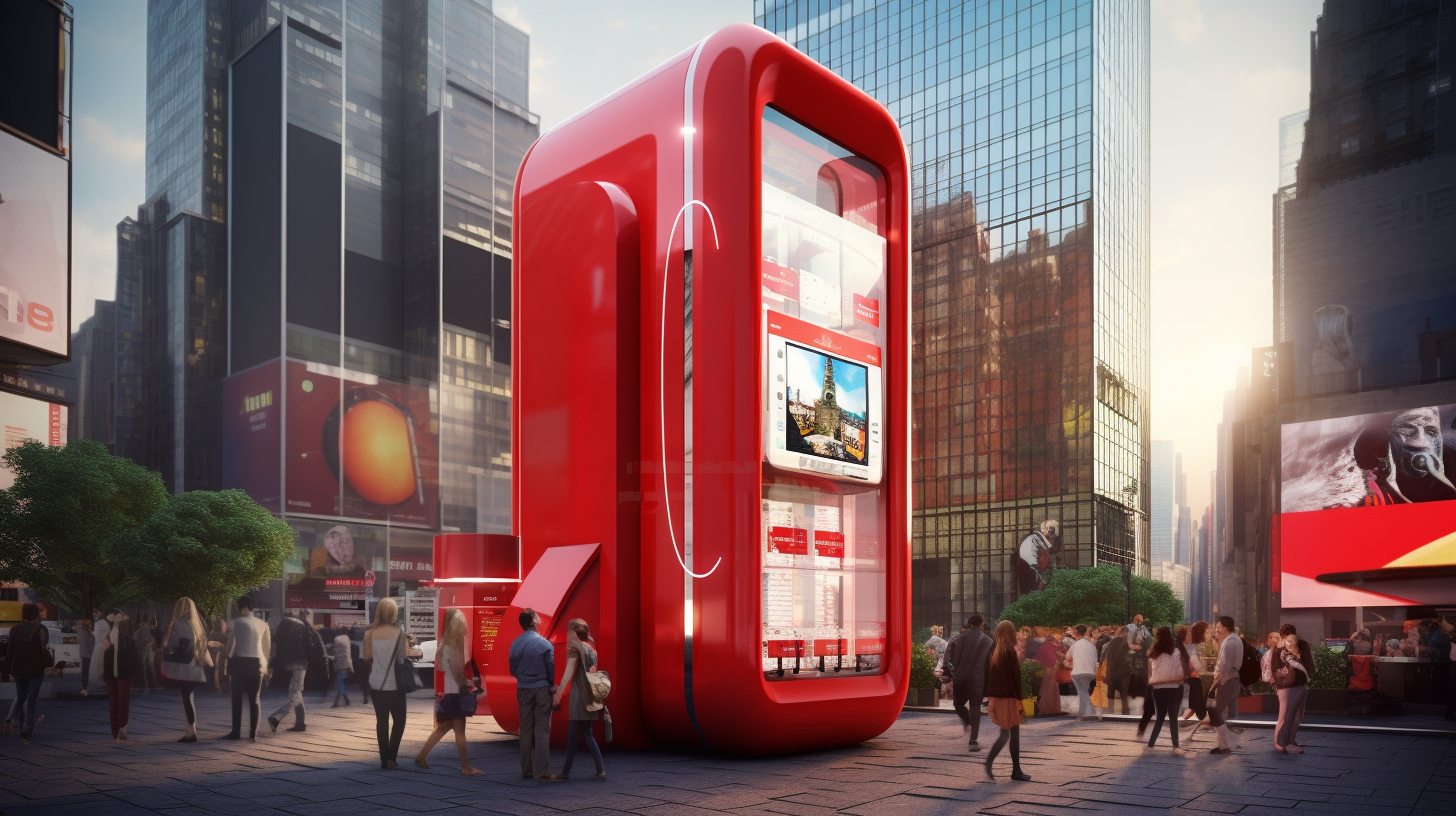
244 653
1165 667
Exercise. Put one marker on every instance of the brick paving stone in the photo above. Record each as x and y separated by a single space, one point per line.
920 766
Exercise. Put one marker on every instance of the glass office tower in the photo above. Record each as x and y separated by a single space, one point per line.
1026 123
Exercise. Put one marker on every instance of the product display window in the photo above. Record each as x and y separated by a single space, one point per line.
823 511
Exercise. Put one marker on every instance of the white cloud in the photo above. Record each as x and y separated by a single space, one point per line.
93 266
1185 17
94 135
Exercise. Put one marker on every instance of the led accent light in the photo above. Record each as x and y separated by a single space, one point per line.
688 130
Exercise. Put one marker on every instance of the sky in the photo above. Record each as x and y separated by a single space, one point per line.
1223 73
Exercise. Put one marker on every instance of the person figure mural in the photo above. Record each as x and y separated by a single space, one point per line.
969 655
1034 557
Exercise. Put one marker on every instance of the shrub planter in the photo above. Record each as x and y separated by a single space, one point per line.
1258 704
924 698
1028 707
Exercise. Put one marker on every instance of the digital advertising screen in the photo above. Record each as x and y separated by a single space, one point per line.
252 425
25 418
360 448
826 414
35 243
1366 503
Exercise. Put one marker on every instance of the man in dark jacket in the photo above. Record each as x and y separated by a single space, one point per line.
1119 669
25 663
295 645
969 655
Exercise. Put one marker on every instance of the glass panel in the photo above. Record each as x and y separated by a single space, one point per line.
823 568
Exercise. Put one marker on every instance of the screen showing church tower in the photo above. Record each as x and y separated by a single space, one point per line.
826 406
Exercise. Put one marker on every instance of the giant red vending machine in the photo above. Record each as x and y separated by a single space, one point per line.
711 401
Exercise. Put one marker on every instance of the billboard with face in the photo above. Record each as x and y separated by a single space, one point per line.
1364 496
35 241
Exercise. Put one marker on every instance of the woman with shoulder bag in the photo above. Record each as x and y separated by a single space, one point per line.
186 658
386 650
580 659
1291 683
119 666
452 706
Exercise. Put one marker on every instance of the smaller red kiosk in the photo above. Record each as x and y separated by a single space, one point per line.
477 574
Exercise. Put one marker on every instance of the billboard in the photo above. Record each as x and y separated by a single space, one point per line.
25 418
252 433
35 214
360 448
1364 500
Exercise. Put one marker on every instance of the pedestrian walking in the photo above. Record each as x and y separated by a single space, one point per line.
1192 638
86 645
936 642
450 713
385 648
119 667
294 645
101 627
1226 682
1306 659
217 637
533 664
1167 668
186 658
1117 670
1083 660
1291 683
583 707
248 645
1003 690
27 656
343 665
969 654
1048 654
146 648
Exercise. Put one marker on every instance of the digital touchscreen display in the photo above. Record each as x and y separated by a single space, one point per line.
827 414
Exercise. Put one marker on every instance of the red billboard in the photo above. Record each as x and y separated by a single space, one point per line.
360 448
1367 502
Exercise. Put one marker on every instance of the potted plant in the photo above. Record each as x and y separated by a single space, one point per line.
924 685
1329 688
1259 699
1032 673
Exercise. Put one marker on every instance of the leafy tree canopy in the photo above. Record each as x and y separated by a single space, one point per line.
61 522
1094 596
210 546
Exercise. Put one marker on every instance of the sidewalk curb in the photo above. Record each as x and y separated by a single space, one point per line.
1333 728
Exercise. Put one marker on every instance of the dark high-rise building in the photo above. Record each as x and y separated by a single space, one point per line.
321 273
93 359
1027 126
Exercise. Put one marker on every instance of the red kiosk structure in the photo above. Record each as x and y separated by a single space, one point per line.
711 402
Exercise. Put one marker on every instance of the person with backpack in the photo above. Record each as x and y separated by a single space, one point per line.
585 708
458 699
1227 680
26 658
295 645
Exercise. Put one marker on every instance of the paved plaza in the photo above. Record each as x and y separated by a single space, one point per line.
918 767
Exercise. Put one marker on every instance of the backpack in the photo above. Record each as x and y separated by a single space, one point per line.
1250 669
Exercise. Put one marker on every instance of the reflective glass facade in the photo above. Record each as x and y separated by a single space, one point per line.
325 262
1026 124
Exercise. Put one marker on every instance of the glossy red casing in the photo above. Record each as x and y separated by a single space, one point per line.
600 226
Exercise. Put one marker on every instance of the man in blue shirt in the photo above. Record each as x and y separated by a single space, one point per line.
533 664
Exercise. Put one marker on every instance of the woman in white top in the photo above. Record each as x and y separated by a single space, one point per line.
450 663
385 646
1167 669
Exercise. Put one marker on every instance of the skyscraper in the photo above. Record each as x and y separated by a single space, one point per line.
1027 128
325 272
1164 518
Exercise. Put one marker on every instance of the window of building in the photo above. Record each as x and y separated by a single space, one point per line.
1350 146
1395 130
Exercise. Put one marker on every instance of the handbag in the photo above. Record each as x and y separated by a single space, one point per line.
406 679
466 703
184 653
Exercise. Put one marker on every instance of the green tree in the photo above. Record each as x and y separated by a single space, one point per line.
210 546
61 522
1094 596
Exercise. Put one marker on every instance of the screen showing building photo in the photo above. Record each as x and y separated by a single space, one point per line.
1363 495
827 414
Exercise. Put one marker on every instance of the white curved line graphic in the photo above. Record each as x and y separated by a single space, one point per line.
662 386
